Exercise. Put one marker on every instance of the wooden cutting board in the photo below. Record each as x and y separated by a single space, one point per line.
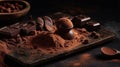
25 60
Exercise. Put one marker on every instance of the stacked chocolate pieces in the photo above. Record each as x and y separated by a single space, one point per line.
46 23
27 28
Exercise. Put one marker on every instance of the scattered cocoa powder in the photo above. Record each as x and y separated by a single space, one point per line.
3 47
51 42
47 40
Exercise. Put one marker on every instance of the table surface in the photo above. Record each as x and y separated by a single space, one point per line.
90 57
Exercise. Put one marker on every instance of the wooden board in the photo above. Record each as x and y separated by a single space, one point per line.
25 61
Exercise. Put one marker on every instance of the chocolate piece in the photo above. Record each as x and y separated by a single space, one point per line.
8 32
32 22
32 33
23 32
86 41
80 20
64 24
95 35
40 23
26 29
16 25
69 35
92 26
48 23
18 39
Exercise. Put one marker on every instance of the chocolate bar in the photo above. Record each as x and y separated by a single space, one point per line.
92 26
9 32
80 20
26 29
48 23
40 23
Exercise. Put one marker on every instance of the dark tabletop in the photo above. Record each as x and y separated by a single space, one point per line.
108 16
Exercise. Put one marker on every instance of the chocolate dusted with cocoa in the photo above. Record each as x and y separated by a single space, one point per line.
64 28
7 32
26 28
64 24
40 23
48 24
95 35
16 25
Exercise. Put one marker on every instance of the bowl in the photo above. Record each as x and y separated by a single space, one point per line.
14 15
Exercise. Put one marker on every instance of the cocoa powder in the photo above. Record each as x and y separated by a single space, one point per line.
108 51
47 40
3 47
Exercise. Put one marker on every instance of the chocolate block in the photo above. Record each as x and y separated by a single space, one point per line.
48 23
80 20
9 32
16 25
26 29
32 22
95 35
92 26
40 23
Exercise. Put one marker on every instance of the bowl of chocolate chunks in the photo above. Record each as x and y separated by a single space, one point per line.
12 9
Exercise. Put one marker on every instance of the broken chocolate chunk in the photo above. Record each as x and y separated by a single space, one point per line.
95 35
26 29
16 25
80 20
32 33
9 32
18 39
23 32
32 22
92 26
40 23
86 41
48 23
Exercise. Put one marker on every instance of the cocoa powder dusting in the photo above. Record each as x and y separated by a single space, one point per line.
3 47
47 40
51 42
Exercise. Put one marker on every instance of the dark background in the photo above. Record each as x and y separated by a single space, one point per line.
108 8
